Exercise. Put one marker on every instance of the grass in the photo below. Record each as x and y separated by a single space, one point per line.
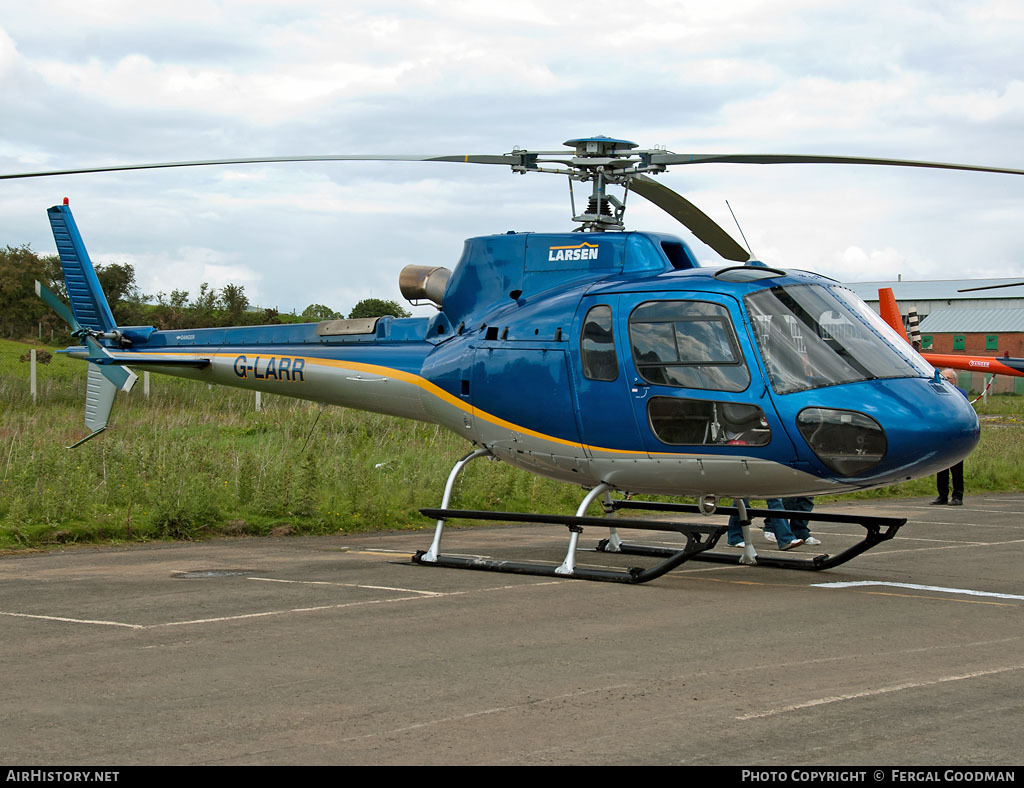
192 462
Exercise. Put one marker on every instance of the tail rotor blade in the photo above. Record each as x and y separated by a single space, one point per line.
58 306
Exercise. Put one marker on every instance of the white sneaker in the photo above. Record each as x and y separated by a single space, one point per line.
791 545
768 536
740 545
812 541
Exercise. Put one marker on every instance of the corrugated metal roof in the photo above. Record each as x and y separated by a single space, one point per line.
970 321
937 289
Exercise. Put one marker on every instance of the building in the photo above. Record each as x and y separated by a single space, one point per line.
979 323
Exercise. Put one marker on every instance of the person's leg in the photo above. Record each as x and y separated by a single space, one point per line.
735 533
780 526
942 486
799 528
769 522
958 482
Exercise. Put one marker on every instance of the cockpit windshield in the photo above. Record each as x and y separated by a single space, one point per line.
812 336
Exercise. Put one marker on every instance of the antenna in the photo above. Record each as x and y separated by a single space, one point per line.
744 237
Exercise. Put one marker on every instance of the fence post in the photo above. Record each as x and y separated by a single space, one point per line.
32 374
145 384
259 401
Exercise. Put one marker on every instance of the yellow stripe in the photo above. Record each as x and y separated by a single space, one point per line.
578 246
430 388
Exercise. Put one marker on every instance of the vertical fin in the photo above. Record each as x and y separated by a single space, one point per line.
84 292
99 399
890 312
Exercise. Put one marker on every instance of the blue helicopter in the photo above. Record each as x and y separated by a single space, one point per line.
601 357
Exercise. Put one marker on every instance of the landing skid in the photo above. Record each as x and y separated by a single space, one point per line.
698 539
874 525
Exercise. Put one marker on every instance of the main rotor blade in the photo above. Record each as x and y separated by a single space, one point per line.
684 211
990 287
507 159
747 158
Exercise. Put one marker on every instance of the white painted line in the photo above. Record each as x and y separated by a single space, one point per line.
345 585
718 568
898 551
954 542
917 587
342 605
872 693
482 713
75 620
959 525
507 588
268 613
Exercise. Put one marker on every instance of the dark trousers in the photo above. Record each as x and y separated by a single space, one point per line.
942 481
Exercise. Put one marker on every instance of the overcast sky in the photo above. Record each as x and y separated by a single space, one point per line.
112 81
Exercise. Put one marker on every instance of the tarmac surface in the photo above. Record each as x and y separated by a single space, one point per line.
337 650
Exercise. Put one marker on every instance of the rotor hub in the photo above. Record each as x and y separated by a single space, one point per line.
601 146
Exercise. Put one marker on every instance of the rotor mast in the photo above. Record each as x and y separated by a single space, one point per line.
603 161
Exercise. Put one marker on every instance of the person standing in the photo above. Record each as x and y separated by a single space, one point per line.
957 471
783 530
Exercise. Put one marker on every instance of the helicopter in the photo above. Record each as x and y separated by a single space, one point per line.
601 357
990 365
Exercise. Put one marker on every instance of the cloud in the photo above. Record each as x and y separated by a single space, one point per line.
118 81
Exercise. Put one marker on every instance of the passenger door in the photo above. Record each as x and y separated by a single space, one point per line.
694 384
604 408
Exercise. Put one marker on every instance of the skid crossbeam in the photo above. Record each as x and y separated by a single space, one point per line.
699 538
879 529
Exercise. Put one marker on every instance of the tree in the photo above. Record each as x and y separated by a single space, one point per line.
234 301
376 307
20 267
319 312
203 305
117 281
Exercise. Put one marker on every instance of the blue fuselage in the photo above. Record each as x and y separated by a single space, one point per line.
613 357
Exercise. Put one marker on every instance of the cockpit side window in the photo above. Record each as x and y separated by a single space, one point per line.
597 345
689 344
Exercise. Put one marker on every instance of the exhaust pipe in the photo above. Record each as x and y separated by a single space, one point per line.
424 283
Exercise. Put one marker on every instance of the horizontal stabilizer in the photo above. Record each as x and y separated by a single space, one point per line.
109 367
156 359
